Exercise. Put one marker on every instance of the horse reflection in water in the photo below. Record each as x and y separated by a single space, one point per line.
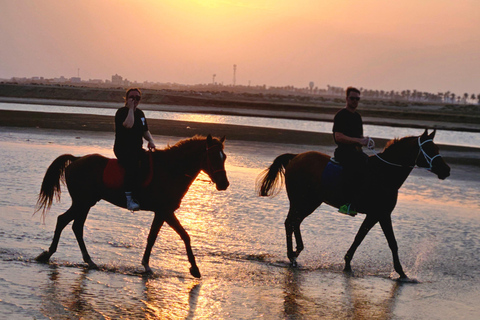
174 170
387 172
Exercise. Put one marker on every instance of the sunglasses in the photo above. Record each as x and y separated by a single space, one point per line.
135 98
354 98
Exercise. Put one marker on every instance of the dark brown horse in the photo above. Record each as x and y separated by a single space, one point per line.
174 170
309 184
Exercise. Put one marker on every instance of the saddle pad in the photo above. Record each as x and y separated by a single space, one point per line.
331 177
114 174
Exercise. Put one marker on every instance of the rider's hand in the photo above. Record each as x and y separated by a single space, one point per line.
364 141
130 103
151 145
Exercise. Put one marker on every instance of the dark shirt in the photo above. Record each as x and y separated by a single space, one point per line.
129 140
350 124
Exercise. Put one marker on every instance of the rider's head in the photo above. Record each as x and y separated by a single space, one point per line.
353 96
133 93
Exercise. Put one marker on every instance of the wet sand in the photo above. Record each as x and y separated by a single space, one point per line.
85 122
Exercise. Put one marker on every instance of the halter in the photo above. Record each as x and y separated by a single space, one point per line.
428 159
209 163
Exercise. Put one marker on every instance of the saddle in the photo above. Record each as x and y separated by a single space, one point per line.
332 182
332 177
114 172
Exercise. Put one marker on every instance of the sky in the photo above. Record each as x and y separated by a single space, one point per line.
424 45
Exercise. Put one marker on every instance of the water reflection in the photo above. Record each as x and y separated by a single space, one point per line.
342 296
84 297
368 301
68 300
292 292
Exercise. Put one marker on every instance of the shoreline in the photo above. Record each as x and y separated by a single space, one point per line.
83 122
319 113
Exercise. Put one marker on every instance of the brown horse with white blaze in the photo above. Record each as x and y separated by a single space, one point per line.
174 170
309 184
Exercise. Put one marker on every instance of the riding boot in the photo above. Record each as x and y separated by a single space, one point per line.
132 204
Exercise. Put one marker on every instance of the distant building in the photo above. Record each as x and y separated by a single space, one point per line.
117 80
75 80
95 81
62 79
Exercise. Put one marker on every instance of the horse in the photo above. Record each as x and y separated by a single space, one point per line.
310 180
174 170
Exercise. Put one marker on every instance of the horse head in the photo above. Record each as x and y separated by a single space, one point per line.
214 164
429 156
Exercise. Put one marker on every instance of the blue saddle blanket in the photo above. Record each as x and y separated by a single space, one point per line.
331 180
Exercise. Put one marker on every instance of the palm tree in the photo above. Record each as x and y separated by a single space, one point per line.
446 96
452 96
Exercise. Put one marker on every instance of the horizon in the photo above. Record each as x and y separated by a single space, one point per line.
428 47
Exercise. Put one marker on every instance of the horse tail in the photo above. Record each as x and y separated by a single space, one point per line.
51 182
269 183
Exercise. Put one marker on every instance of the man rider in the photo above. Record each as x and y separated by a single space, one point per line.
348 135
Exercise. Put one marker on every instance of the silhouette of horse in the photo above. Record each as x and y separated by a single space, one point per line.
311 179
174 170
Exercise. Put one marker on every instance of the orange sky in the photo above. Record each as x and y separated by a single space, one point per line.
427 45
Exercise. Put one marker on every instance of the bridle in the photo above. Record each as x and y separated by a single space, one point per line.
209 168
209 163
428 159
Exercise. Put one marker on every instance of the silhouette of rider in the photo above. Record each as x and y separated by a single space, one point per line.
130 130
348 135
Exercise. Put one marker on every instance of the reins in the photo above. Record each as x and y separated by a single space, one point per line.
428 159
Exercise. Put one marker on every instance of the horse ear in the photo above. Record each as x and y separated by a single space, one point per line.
222 140
209 140
425 133
432 135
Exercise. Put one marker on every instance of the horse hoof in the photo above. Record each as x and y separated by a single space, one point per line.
407 280
293 264
92 266
43 257
195 272
148 270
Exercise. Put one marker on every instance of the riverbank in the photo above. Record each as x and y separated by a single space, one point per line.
300 107
84 122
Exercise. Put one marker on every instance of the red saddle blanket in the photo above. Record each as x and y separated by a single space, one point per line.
114 173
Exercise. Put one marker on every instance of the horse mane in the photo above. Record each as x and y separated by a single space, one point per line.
397 142
186 146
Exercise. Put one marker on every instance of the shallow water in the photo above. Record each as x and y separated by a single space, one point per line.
456 138
238 240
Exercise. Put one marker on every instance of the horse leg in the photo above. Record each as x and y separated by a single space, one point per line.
62 221
157 223
367 224
175 224
292 226
386 224
77 227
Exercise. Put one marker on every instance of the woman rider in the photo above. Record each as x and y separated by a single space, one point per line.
130 130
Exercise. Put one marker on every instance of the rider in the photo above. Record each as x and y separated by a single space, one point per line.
130 129
348 135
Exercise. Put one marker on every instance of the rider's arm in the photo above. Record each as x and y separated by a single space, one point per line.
130 119
344 139
148 137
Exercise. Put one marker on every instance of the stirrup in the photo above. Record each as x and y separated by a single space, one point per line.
348 209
